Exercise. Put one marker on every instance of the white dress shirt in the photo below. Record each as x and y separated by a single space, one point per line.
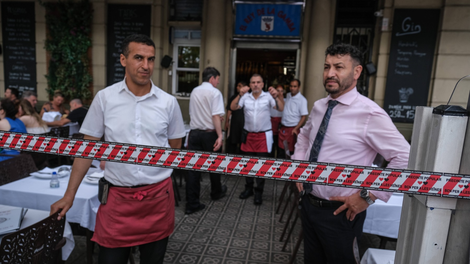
294 108
205 101
121 116
257 111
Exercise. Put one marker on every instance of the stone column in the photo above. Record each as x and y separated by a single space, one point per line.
213 41
319 38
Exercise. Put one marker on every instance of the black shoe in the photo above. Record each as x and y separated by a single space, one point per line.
246 193
258 199
222 193
193 210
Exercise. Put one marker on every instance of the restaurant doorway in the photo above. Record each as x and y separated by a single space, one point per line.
277 64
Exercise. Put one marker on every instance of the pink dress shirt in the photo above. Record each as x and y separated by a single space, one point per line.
357 131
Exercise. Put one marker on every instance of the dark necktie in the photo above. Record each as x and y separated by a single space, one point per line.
319 138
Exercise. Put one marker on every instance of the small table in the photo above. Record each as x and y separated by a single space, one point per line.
383 219
33 216
35 193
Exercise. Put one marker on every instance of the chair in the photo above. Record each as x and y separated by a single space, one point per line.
36 244
18 167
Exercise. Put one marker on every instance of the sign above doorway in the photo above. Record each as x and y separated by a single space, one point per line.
268 20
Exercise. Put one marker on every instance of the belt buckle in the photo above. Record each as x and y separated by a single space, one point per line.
321 203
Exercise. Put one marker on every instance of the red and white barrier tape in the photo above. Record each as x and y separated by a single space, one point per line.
394 180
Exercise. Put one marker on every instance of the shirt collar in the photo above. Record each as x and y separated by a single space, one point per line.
345 99
153 91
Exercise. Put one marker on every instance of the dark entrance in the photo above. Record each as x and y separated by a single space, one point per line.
276 66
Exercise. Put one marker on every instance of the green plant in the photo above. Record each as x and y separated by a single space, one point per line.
69 26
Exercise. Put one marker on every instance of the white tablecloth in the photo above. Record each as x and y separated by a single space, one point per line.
34 216
35 193
378 256
383 219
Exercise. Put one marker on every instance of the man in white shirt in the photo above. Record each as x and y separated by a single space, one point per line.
293 117
206 107
140 205
258 136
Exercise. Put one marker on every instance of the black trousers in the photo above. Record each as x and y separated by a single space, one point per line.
201 140
151 253
250 181
330 238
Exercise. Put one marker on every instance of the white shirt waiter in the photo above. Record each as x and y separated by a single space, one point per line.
206 101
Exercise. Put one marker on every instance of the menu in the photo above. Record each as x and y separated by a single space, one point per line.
19 45
123 20
410 63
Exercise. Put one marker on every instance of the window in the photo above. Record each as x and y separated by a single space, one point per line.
186 52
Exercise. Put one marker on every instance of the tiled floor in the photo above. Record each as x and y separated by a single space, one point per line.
229 230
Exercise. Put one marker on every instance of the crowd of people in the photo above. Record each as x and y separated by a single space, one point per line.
344 127
20 114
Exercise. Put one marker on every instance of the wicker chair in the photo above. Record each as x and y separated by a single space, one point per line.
18 167
37 244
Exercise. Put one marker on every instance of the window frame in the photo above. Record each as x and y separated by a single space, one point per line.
175 69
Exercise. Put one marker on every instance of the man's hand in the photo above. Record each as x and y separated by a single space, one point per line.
273 92
295 131
218 144
65 204
300 186
354 203
244 90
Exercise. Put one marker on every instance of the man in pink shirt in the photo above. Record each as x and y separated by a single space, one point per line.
358 129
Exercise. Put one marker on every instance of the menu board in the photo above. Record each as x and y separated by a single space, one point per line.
410 63
19 45
123 20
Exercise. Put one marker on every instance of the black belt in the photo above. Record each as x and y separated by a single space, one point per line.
135 186
318 202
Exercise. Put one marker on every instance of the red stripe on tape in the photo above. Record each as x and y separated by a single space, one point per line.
156 156
4 139
450 185
334 174
428 184
169 160
202 159
353 176
390 180
88 149
15 140
26 142
298 171
63 146
316 173
185 160
75 147
100 151
38 143
281 169
128 153
215 163
371 178
142 155
247 167
265 168
233 164
409 182
50 145
115 152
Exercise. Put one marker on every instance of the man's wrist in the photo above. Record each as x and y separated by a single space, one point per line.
366 195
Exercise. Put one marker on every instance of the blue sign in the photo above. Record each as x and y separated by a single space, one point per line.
268 20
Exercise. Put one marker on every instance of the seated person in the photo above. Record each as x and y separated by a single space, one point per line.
12 93
32 98
31 119
56 105
9 122
77 114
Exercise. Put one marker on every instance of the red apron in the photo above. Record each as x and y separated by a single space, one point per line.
255 142
285 133
136 216
275 122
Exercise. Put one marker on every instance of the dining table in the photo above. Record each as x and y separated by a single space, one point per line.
383 219
34 192
33 216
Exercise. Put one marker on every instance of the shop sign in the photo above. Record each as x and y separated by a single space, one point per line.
410 63
268 20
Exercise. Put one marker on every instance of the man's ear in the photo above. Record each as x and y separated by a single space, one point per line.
357 71
122 58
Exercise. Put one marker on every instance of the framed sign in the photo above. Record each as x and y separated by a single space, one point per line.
123 20
19 45
412 48
268 20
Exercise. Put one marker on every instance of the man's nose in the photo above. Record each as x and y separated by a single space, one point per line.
145 64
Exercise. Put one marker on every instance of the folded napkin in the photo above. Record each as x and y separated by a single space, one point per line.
96 175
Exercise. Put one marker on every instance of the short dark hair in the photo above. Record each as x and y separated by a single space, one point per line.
77 101
295 80
345 49
243 83
139 38
208 73
9 107
15 92
257 75
27 94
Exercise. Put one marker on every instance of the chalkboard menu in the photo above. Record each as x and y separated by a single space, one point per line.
123 20
19 45
410 63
